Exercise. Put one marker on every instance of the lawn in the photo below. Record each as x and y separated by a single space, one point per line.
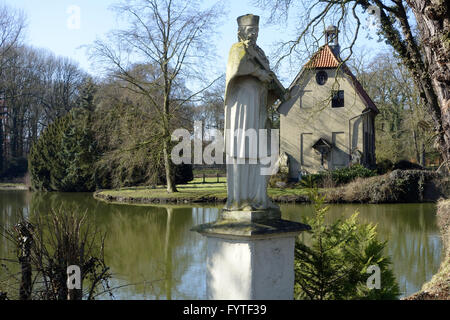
196 190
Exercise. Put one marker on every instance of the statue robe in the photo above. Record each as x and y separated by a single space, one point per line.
246 102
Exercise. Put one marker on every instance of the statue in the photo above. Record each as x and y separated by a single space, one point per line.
250 89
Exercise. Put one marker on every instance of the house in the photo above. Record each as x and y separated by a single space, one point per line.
328 121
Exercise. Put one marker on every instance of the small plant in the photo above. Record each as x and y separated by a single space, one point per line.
342 176
48 246
334 265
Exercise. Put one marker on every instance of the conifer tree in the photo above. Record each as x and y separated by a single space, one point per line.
64 156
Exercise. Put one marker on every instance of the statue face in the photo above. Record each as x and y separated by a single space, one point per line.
248 33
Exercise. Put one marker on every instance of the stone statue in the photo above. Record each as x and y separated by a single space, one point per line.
250 89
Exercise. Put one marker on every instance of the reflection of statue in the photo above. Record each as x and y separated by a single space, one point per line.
250 88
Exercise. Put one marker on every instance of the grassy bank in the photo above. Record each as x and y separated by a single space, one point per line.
439 286
399 186
193 192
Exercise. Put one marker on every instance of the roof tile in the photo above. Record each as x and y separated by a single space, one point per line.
324 58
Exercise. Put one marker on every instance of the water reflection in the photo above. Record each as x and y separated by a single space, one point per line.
153 255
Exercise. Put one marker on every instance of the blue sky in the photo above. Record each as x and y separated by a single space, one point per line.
48 27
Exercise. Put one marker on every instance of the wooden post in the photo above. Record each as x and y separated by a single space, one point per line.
218 177
204 178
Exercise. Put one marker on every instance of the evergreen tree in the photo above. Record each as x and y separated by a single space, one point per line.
64 156
335 263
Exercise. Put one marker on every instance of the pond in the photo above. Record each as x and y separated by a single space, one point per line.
153 255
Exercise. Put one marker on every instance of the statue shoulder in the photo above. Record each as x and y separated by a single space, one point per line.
238 51
238 47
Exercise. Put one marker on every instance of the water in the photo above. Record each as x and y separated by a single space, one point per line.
153 255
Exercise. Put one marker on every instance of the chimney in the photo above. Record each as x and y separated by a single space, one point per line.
332 39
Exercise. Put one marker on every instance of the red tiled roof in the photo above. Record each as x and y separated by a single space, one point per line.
324 58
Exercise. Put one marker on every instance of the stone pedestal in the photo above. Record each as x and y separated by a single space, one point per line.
250 255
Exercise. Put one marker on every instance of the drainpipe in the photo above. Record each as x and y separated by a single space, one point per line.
350 134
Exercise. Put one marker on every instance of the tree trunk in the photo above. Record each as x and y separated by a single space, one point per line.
1 143
416 146
433 22
171 187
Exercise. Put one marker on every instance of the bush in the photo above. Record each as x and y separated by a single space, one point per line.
335 265
407 165
384 166
339 176
279 179
47 246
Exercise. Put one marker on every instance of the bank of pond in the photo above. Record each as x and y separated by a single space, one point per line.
153 254
398 186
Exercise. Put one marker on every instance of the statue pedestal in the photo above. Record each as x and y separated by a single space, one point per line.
250 255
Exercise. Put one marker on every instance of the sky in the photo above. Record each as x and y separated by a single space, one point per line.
50 25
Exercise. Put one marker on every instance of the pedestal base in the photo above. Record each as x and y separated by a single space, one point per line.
250 260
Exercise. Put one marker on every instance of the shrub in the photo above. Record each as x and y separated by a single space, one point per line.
279 179
48 246
407 165
340 176
334 265
384 166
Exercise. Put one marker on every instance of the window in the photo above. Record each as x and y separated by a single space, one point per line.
321 77
337 100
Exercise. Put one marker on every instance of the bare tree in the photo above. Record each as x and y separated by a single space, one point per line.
172 36
12 24
425 53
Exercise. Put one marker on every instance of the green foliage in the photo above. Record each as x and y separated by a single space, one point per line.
62 159
340 176
334 265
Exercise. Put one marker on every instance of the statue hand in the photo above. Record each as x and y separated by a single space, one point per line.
266 76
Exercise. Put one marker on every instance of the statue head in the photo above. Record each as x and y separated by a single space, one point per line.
248 27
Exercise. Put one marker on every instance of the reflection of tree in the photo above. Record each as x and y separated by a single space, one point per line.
168 255
410 229
13 208
149 244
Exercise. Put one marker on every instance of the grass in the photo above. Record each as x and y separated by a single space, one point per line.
195 190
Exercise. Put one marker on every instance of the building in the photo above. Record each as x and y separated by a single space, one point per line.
328 121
